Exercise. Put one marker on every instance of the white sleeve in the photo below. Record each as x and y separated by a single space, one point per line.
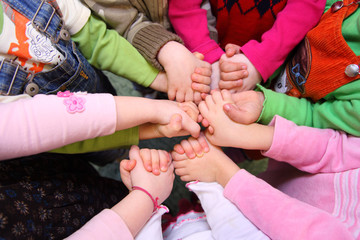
75 14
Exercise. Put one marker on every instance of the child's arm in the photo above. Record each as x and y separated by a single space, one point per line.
270 210
327 150
53 121
190 23
159 187
107 50
262 204
276 44
339 110
131 136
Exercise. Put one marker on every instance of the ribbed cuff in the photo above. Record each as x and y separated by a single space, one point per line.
150 39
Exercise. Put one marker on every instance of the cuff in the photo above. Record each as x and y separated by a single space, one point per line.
150 39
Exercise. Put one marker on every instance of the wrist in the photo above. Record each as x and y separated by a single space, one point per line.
228 170
166 53
154 200
149 131
160 82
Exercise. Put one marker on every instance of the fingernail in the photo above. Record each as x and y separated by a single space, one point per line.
227 107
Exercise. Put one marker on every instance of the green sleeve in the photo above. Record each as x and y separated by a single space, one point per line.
340 110
107 50
120 139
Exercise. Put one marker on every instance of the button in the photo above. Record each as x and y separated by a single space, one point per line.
64 34
32 89
336 6
352 70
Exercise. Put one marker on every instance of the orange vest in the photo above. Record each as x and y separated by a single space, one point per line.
318 65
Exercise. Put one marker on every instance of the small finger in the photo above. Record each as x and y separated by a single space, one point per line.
204 144
155 160
217 97
189 95
205 122
180 96
227 96
203 71
229 66
189 151
176 157
171 94
164 160
202 88
146 158
231 84
200 78
179 149
197 98
211 130
196 146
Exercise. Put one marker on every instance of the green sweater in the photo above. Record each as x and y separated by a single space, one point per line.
339 110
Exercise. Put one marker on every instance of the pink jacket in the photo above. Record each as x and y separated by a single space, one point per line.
311 192
26 130
291 25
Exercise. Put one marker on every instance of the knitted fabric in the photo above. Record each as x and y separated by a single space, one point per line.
239 21
149 40
318 66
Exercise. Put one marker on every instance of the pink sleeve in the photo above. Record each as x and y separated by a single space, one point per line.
106 225
278 215
327 150
290 27
190 23
43 123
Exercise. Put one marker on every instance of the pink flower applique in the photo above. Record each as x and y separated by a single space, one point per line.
67 93
75 104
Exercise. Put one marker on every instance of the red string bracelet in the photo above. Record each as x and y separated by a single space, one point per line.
156 205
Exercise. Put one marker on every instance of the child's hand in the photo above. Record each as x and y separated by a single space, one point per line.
155 160
221 129
165 111
198 147
246 108
201 79
233 71
157 185
210 166
237 73
180 64
228 133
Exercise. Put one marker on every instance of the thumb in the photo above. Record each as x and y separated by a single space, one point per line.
231 49
174 126
125 168
234 113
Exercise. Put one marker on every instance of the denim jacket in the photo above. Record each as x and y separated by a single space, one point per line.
74 73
